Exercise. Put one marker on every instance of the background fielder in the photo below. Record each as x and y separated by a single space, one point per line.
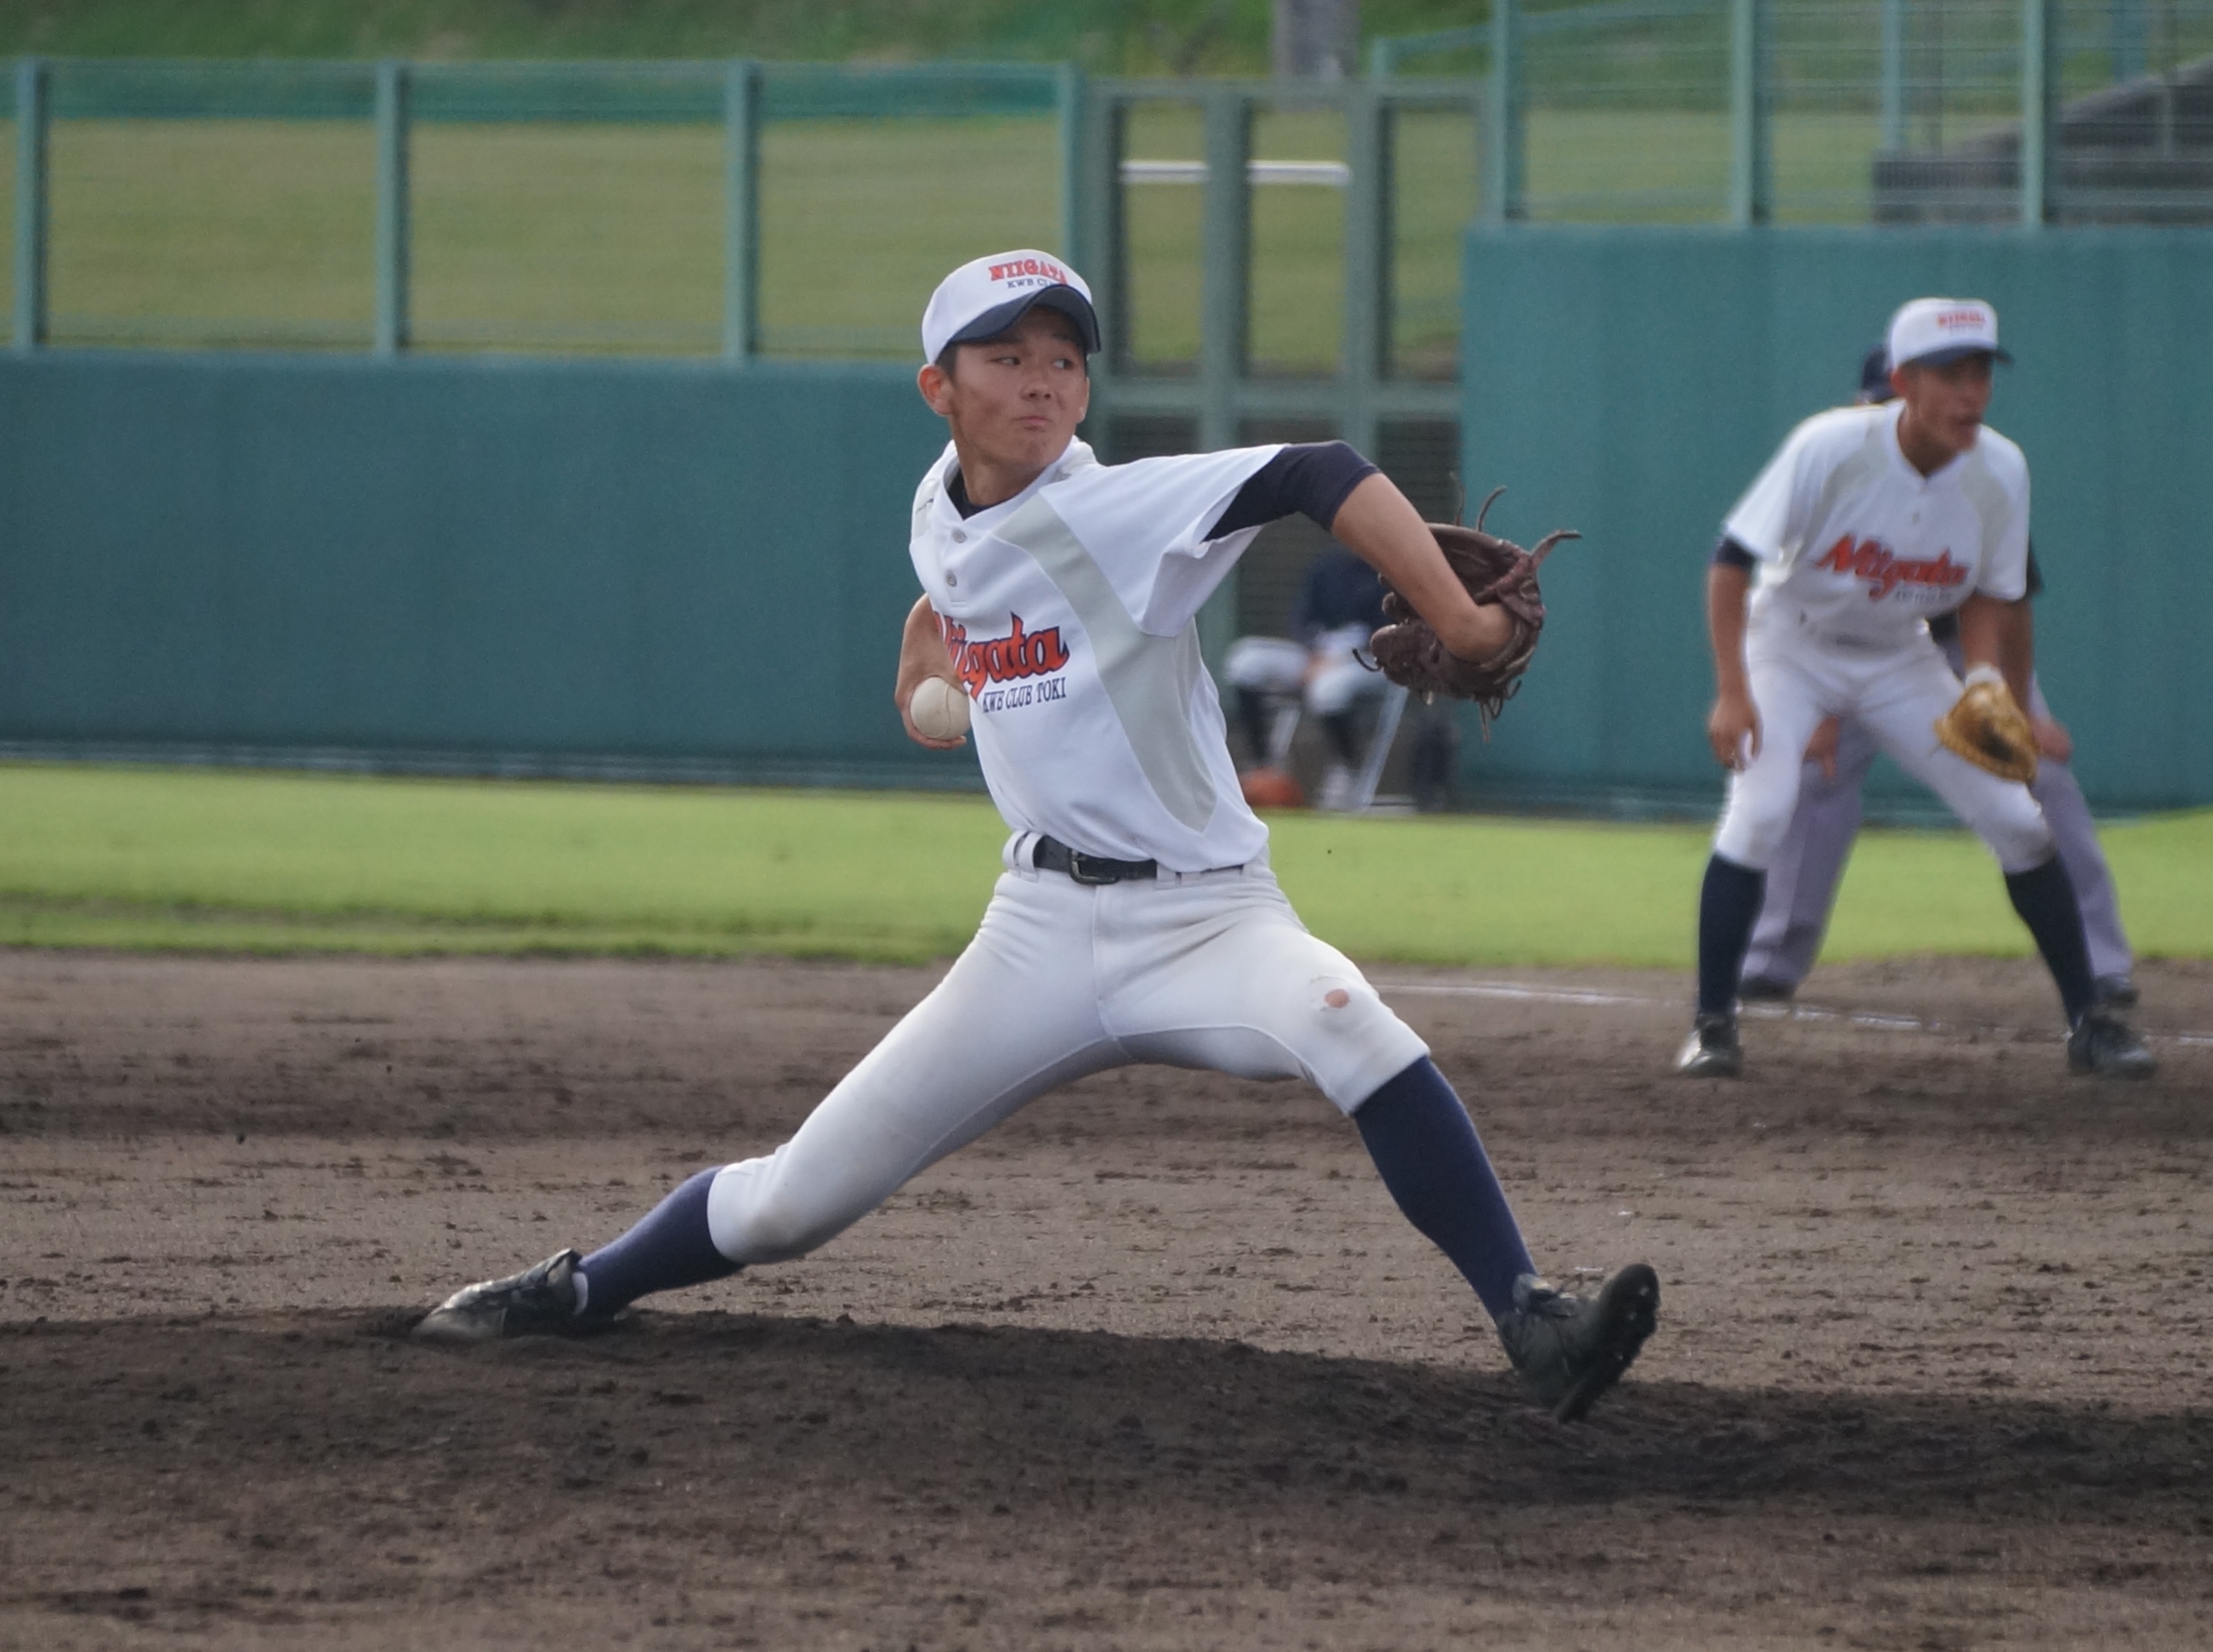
1868 521
1340 606
1137 919
1801 880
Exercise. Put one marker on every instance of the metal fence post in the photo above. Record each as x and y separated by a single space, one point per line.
1505 171
1097 250
741 117
32 117
2038 84
393 253
1894 75
1069 101
2128 46
1225 263
1750 102
1367 259
1224 307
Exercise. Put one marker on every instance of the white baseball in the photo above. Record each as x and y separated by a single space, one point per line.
939 708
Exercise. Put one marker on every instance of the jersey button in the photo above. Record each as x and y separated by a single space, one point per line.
959 538
952 579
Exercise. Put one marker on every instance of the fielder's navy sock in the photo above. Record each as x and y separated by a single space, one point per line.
1343 737
1252 715
2044 897
671 1247
1425 1147
1728 905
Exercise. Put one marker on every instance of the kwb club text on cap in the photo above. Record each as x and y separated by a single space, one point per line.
1935 331
985 297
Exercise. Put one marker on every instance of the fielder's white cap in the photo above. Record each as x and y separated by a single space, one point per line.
1935 331
985 297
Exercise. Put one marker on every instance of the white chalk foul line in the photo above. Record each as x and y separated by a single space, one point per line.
1521 992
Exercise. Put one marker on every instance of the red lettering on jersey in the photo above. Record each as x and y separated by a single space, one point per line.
1002 659
1837 558
1874 562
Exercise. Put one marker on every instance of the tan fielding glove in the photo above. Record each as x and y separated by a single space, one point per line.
1989 729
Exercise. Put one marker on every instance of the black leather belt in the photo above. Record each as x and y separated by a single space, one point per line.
1053 856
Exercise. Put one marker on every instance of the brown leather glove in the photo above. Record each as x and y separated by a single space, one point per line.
1411 653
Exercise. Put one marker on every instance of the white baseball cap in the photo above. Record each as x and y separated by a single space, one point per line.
1935 331
985 296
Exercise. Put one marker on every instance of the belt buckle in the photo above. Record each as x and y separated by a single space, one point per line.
1108 872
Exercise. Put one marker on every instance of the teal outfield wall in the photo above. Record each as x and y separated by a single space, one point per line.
543 564
1631 382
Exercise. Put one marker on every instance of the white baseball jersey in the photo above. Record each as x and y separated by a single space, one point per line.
1070 610
1852 537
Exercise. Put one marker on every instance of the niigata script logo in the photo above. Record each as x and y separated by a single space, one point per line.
1885 571
1017 655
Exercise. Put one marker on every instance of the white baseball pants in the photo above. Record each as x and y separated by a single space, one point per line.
1276 665
1896 694
1209 970
1801 880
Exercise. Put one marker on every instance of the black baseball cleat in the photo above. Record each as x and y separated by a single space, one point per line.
2117 991
1766 989
2106 1046
1569 1349
538 1300
1712 1051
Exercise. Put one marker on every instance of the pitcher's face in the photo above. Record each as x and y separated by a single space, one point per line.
1014 401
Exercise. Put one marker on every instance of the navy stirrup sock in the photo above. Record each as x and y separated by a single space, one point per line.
2044 897
671 1247
1426 1150
1728 905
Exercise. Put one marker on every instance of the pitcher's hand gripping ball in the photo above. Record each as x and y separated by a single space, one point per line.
939 708
1987 727
1409 652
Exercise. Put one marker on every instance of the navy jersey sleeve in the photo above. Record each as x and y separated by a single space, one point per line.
1311 477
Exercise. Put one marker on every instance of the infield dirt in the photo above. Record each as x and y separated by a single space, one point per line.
1154 1365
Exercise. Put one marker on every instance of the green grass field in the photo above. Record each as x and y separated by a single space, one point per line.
609 237
260 862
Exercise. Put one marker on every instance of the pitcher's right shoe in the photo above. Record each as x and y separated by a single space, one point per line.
1569 1349
1712 1051
540 1298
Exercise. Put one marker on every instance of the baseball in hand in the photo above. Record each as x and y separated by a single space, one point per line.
939 708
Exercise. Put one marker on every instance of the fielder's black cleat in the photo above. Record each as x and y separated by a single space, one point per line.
2117 992
1570 1350
540 1299
1712 1051
1766 989
2103 1045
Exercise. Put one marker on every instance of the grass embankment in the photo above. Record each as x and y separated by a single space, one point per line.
610 237
1107 36
228 860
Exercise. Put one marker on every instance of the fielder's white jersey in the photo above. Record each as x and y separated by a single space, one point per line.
1858 544
1069 611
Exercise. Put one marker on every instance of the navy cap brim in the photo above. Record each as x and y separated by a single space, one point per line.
1065 299
1959 353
